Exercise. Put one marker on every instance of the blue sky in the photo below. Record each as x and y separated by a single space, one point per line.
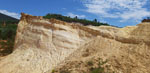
115 12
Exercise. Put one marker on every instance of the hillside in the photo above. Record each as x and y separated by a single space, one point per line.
50 45
4 17
8 26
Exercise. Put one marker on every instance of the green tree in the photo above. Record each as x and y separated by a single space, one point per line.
76 17
95 20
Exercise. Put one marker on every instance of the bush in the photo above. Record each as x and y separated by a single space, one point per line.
99 68
8 32
90 63
7 47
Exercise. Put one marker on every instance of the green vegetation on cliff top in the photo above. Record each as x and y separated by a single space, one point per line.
75 19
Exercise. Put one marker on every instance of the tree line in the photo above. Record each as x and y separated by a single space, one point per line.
75 19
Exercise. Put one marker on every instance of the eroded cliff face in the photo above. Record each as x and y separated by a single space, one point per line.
42 44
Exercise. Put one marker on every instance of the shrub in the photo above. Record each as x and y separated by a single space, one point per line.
8 32
90 63
99 68
7 47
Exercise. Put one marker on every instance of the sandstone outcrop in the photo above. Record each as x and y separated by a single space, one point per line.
41 44
44 44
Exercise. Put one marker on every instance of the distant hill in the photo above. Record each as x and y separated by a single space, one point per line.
4 17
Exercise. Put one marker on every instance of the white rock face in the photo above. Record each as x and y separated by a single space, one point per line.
43 44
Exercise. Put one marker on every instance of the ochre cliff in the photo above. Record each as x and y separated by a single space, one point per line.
44 44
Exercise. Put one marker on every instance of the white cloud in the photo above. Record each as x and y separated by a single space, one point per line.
74 15
63 8
124 9
12 14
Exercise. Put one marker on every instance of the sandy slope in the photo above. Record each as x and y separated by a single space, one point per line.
123 57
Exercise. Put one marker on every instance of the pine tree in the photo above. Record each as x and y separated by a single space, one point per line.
95 20
76 17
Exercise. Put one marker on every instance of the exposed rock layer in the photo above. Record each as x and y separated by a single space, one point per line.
42 44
